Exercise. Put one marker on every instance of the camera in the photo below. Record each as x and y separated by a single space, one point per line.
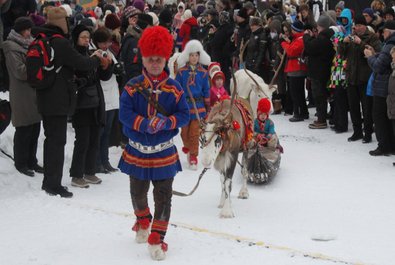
104 54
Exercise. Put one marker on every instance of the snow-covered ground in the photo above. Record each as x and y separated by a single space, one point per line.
326 188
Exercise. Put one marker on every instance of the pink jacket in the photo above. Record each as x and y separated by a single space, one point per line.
216 94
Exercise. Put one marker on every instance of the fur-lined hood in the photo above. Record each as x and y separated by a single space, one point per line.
191 47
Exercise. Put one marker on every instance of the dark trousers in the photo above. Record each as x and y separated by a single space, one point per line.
102 155
382 125
340 113
296 87
25 145
288 106
85 151
55 128
357 97
318 88
162 198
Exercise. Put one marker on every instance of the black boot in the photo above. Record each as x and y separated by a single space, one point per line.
379 152
357 135
367 138
38 169
26 171
107 166
62 191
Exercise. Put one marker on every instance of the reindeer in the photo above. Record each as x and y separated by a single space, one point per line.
253 87
222 138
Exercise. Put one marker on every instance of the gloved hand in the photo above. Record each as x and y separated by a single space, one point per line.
261 139
156 124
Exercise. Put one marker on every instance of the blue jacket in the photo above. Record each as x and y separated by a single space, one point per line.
134 114
380 64
346 13
198 83
268 129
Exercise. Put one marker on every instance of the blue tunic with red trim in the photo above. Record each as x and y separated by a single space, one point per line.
134 114
198 82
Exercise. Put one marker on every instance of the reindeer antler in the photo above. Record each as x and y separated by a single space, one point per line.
233 95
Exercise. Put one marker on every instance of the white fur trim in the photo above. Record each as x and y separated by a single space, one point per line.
155 18
68 9
191 47
142 236
156 252
181 4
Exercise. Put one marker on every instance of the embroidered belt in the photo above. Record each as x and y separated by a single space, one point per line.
147 149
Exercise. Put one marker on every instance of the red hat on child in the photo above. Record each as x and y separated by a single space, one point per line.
264 106
156 41
214 70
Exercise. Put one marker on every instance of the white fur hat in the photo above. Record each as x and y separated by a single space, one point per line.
181 4
187 14
191 47
68 9
155 19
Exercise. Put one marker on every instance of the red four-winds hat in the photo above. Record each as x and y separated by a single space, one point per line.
156 41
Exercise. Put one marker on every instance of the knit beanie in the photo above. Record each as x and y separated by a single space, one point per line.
139 4
369 11
37 19
390 24
340 5
57 16
360 20
264 106
23 23
112 22
297 26
324 21
130 11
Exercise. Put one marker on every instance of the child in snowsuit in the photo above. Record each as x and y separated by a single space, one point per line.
264 133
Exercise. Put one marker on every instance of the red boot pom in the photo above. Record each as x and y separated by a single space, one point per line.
141 224
185 150
154 238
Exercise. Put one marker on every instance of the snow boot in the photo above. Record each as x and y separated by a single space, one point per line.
92 179
79 182
141 227
156 247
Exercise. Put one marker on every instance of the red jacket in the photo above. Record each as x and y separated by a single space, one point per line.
185 30
294 50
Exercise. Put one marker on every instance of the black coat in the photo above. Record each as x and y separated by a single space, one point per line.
130 54
256 52
85 115
60 99
220 46
320 54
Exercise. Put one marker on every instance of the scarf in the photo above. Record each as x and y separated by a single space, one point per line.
17 38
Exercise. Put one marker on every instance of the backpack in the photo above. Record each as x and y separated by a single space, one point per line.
5 115
40 65
194 33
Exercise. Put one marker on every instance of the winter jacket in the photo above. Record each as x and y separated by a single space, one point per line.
346 13
358 70
320 54
60 99
198 84
23 98
380 64
242 35
219 46
110 89
391 94
185 30
216 94
135 113
4 7
256 51
294 51
130 54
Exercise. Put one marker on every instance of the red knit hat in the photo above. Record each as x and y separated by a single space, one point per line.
264 106
156 41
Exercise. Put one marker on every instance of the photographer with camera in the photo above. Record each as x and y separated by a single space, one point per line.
89 116
102 40
357 76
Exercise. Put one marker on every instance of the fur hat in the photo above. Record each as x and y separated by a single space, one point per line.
214 71
68 9
155 19
23 23
57 16
297 26
264 106
156 41
112 22
193 46
130 11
